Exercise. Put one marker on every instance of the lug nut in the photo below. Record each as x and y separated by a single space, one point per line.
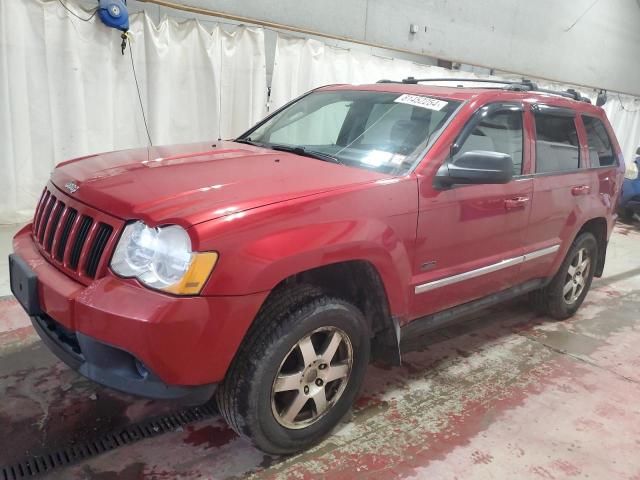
319 382
322 366
306 390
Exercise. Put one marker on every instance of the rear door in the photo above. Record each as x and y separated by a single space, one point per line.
470 237
562 188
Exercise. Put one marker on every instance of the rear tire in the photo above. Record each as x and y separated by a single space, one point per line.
561 298
625 214
298 371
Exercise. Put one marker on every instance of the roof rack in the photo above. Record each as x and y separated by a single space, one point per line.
525 85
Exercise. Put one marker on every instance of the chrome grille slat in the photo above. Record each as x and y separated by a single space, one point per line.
36 216
40 213
53 225
66 230
44 221
97 249
81 237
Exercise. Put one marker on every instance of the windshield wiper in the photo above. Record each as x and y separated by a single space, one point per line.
248 141
291 149
304 152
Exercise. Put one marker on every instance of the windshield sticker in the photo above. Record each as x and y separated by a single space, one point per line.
420 101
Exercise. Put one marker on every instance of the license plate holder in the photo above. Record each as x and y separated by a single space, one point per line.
24 285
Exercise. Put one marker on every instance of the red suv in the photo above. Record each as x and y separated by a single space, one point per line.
269 270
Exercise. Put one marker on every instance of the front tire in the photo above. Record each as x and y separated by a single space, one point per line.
566 292
298 371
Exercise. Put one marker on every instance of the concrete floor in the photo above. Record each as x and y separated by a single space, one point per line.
506 395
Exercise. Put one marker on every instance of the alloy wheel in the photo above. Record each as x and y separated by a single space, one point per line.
577 275
312 377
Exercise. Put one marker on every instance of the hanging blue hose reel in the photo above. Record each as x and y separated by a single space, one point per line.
114 14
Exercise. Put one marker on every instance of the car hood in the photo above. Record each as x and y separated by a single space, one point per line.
190 184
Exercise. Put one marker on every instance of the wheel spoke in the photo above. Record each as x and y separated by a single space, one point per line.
571 270
331 349
573 292
334 372
308 351
579 257
288 382
294 409
580 280
584 266
320 400
567 287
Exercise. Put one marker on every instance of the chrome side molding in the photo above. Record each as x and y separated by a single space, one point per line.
510 262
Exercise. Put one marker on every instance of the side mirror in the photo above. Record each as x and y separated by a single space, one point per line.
476 167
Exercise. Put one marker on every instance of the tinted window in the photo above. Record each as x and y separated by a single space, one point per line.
600 149
500 132
557 145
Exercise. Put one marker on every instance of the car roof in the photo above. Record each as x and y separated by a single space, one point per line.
483 95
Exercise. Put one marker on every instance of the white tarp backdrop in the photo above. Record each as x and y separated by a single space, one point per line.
66 91
303 64
624 114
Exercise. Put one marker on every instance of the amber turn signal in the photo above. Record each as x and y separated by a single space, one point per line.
196 276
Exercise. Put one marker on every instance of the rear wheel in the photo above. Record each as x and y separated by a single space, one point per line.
298 371
566 292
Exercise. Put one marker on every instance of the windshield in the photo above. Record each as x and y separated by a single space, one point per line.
374 130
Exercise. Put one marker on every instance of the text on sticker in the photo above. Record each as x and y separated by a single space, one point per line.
420 101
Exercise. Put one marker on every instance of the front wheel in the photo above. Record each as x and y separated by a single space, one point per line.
298 371
566 292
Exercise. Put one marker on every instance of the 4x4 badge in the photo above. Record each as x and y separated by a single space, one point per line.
72 187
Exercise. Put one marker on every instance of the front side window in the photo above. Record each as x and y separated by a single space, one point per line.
374 130
498 132
557 144
600 149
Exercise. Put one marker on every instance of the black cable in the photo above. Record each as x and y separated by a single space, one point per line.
626 109
76 15
135 76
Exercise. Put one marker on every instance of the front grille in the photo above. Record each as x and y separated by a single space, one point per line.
73 236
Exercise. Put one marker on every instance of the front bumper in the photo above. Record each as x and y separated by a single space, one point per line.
111 366
133 339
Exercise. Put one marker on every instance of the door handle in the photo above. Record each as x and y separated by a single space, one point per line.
515 203
581 190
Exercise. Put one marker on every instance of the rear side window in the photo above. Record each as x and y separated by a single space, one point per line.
499 132
557 145
600 149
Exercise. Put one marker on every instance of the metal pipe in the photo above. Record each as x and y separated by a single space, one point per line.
306 31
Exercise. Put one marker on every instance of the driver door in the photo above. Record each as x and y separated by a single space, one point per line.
470 237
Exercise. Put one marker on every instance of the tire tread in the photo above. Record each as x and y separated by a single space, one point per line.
270 324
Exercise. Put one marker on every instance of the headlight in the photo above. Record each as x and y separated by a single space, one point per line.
631 171
161 258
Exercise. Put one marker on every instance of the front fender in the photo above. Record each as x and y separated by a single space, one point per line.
304 249
262 247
